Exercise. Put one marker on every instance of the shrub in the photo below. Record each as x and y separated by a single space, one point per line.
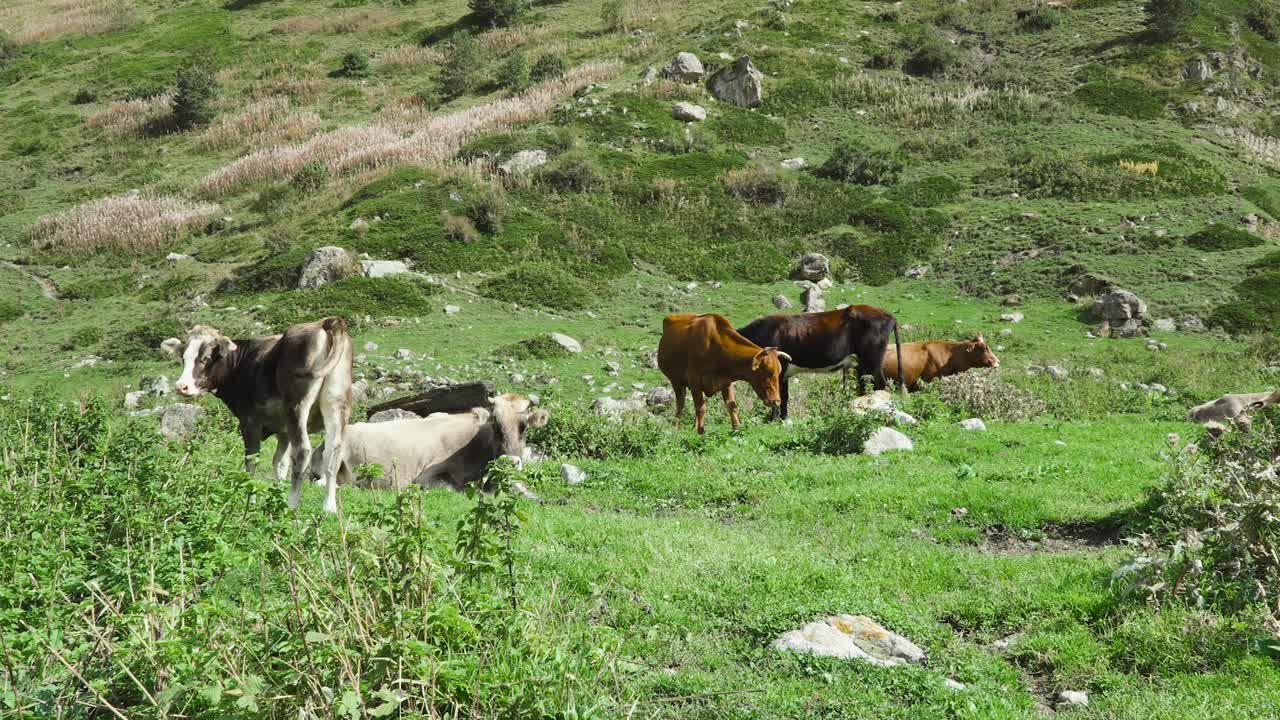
759 184
883 58
461 71
1166 19
687 139
498 13
838 430
1126 97
548 67
10 310
1039 19
931 59
124 222
193 97
1218 238
487 206
541 347
1266 197
313 176
514 72
272 201
540 284
850 162
927 192
355 64
85 95
459 228
575 170
616 15
981 393
1258 306
142 342
8 48
85 337
571 433
1264 19
143 92
353 298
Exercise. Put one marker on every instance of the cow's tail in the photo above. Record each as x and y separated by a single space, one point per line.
897 344
336 329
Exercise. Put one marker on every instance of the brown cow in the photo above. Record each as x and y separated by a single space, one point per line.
933 359
704 354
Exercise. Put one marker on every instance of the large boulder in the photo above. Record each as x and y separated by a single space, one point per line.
688 112
740 83
325 265
884 440
661 396
523 162
567 342
811 297
781 302
685 67
179 421
851 637
1122 313
813 267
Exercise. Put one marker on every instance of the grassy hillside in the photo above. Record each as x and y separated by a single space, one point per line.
1012 148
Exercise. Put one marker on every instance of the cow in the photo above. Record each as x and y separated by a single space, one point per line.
933 359
441 450
1216 415
284 385
705 355
829 341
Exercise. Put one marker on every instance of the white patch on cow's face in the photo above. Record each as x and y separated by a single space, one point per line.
187 385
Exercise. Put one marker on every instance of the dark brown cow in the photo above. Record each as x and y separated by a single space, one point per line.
283 385
828 341
704 354
932 359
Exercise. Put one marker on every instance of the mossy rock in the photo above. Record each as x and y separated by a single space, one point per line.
927 192
1220 238
1257 308
352 298
1126 97
543 285
541 347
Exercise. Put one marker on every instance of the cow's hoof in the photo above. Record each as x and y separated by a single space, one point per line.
786 422
295 499
331 505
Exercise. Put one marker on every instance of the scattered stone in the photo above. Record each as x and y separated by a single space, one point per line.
567 342
516 378
959 512
325 265
880 401
884 440
915 272
813 267
1095 372
1006 332
1012 301
452 309
392 414
179 421
88 362
572 474
811 297
360 226
403 354
953 684
974 424
1073 697
740 84
851 637
1057 373
794 163
133 399
1122 313
1013 317
611 408
902 418
370 346
660 396
1164 324
1191 324
781 302
174 257
523 162
685 67
155 385
612 367
648 76
688 112
360 390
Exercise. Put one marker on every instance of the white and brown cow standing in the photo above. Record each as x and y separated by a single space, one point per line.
284 385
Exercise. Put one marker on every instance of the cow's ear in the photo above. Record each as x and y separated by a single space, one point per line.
979 339
538 418
226 345
482 414
172 347
1258 405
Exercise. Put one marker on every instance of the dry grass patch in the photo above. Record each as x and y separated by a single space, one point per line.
406 56
270 121
504 40
918 106
404 135
130 222
1141 168
37 20
359 21
299 86
131 118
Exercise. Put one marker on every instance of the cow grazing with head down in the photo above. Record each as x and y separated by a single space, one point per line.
1218 415
705 355
441 450
829 341
284 385
927 361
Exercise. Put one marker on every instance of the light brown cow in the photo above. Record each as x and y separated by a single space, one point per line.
932 359
704 354
1218 415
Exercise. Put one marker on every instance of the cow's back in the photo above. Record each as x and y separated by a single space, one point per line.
1224 408
407 448
682 335
915 362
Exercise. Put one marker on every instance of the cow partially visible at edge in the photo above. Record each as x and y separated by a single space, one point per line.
284 385
932 359
829 341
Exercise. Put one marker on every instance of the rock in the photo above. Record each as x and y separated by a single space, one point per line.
1006 332
851 637
902 418
953 684
88 362
915 272
572 474
650 359
155 385
781 302
516 378
884 440
688 112
1072 298
1095 372
523 162
1090 284
383 268
403 354
174 257
811 297
1073 697
1013 317
1164 324
813 267
1122 313
1191 324
452 309
325 265
974 424
611 408
1197 69
179 421
360 226
360 390
660 396
1012 301
1057 373
794 163
825 283
370 346
612 367
959 512
133 399
876 401
740 84
648 76
685 67
392 414
567 342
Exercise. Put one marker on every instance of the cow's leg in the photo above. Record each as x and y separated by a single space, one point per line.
731 403
280 461
300 442
252 438
335 408
679 392
699 411
784 390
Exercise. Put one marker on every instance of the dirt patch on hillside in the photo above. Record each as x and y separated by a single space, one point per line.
1052 538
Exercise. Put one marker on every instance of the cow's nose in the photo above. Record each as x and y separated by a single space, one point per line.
182 388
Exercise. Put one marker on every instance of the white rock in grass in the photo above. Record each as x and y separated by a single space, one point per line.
794 163
383 268
404 354
660 396
370 346
884 440
782 302
1073 697
572 474
974 424
851 637
174 257
688 112
133 399
567 342
1013 317
452 309
179 421
523 162
953 684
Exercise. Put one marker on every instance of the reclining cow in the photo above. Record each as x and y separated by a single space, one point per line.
440 450
932 359
284 385
1218 415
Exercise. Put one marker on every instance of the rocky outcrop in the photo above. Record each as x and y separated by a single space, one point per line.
740 84
1122 314
685 67
325 265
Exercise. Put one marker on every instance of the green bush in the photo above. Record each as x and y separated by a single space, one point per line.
85 337
1264 19
1126 97
889 237
1266 197
8 48
539 284
193 97
861 165
10 310
576 170
85 95
927 192
1166 19
487 206
311 177
355 64
932 58
883 58
464 66
353 298
513 74
272 201
616 15
498 13
1219 238
571 434
759 184
1039 19
749 128
548 67
541 347
142 342
1257 307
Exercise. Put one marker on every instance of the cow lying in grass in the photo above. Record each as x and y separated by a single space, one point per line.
1218 415
440 450
933 359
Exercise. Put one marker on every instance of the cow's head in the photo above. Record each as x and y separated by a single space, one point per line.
204 359
1272 399
978 354
766 372
513 416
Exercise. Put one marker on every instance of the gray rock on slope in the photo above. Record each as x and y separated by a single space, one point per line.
325 265
851 637
740 84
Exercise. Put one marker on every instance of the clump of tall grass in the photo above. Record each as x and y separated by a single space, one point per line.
40 20
361 20
917 106
411 136
1148 168
130 222
132 118
407 56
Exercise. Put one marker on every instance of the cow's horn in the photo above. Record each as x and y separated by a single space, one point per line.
784 356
